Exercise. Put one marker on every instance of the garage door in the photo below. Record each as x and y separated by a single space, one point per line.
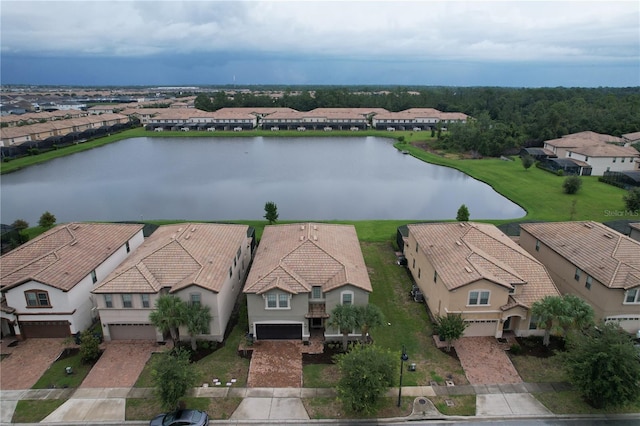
38 329
132 332
279 331
481 328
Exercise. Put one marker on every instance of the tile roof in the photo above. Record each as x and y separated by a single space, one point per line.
607 255
632 136
583 139
64 255
635 226
177 256
296 257
465 252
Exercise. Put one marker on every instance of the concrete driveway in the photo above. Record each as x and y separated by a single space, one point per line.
509 404
27 361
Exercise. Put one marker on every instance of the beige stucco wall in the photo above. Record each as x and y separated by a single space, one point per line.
334 298
606 302
259 314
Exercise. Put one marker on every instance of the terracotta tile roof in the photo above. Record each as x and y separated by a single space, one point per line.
64 255
465 252
632 136
177 256
607 255
606 150
297 257
583 139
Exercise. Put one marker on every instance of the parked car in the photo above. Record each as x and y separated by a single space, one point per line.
181 417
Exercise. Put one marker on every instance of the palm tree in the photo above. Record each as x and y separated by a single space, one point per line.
168 315
578 314
369 316
546 310
197 318
345 319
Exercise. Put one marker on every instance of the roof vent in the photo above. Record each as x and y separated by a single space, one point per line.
609 236
179 229
76 226
588 225
186 237
461 224
302 227
73 243
193 229
315 228
301 237
466 268
458 243
315 238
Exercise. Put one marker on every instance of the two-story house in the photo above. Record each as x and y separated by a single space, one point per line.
201 263
475 270
299 274
592 261
46 283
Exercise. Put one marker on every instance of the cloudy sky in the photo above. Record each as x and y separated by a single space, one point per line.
468 43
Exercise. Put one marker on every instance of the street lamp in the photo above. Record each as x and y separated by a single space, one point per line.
404 357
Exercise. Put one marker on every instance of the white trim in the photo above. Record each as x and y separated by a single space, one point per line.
342 294
479 298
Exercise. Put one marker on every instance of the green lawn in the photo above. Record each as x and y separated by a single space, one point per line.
217 408
34 411
539 370
56 375
320 375
570 402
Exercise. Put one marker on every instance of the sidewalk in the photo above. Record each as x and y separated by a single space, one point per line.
108 404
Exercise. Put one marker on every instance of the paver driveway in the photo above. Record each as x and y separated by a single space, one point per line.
276 364
28 361
485 362
120 364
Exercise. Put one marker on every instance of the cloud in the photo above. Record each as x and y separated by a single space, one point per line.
357 30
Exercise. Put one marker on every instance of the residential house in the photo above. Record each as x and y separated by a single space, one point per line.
417 118
475 270
299 274
46 283
201 263
595 153
592 261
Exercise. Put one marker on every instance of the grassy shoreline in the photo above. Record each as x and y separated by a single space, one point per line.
538 192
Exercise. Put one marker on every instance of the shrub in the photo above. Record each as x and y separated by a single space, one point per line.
515 349
89 347
572 184
560 172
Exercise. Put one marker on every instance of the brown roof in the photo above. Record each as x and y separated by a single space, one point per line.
64 255
606 150
631 136
177 256
583 139
465 252
296 257
607 255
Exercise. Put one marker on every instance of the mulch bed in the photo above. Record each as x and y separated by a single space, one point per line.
533 346
326 357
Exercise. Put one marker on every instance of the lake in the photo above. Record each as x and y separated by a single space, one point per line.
209 179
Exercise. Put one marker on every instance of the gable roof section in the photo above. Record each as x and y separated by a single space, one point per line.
178 256
607 255
64 255
304 255
466 252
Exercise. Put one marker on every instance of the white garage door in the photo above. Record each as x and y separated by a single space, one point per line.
132 332
481 328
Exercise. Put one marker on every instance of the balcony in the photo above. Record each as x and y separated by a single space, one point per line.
317 310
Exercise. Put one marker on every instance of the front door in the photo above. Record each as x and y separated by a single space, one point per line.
507 325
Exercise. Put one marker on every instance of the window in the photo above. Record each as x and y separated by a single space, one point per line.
126 301
537 245
108 301
194 299
478 298
614 159
533 323
512 290
239 252
37 298
589 281
416 246
316 292
126 245
145 300
419 272
277 301
577 274
94 277
435 276
414 264
235 262
347 298
622 161
632 296
230 271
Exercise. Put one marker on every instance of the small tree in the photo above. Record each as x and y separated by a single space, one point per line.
168 315
89 347
47 220
345 318
603 365
527 161
197 318
271 212
450 328
572 184
632 199
20 225
463 214
546 310
173 376
366 373
369 316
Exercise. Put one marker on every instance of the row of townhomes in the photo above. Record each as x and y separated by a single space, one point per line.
64 280
590 153
59 283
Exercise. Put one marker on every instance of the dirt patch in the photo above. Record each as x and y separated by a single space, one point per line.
326 357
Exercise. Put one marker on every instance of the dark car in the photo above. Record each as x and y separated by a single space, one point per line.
181 417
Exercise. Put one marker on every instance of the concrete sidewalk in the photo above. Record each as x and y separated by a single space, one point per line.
108 404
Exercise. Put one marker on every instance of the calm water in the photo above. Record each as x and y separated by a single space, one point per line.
232 178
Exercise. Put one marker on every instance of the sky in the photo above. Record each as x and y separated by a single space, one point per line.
426 43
